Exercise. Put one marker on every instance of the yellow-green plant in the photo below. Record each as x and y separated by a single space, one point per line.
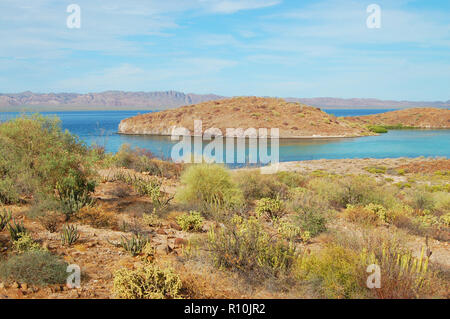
209 187
25 243
245 246
147 282
69 235
192 221
335 271
270 208
151 219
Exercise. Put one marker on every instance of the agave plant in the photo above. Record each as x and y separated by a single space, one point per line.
69 235
5 217
135 244
16 230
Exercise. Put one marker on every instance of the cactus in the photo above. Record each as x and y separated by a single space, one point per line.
69 235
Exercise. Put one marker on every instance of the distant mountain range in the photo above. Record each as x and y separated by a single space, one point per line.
120 100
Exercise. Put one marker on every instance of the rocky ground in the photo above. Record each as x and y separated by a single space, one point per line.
98 256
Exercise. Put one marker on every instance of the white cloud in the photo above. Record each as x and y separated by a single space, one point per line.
232 6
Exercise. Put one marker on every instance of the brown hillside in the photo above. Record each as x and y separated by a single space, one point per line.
294 120
415 117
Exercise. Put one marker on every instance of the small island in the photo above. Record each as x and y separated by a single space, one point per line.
294 120
418 117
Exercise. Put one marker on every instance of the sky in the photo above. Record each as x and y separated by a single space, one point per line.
285 48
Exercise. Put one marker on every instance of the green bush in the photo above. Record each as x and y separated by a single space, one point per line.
142 160
377 129
190 222
255 185
270 208
36 157
25 243
147 282
209 187
38 268
335 270
244 246
313 221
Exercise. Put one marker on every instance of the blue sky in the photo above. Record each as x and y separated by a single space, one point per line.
248 47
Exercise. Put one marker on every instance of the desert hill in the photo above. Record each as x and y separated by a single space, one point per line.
123 100
113 100
414 117
294 120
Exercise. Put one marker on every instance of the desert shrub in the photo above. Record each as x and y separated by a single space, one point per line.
25 243
142 160
377 129
209 186
69 235
50 221
441 201
97 217
255 185
270 208
16 230
38 268
402 275
312 221
147 282
420 199
334 270
371 214
8 192
302 200
291 179
192 221
152 188
353 190
291 231
328 190
71 202
5 217
445 219
244 246
151 219
376 169
135 244
36 156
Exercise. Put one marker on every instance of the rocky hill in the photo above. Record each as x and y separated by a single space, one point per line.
109 99
414 117
294 120
330 102
121 100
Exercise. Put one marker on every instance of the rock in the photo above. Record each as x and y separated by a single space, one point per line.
180 242
2 285
15 285
161 231
24 286
175 226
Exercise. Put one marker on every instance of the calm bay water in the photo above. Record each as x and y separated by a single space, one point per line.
100 127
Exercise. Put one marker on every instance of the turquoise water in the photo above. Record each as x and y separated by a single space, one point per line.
99 127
